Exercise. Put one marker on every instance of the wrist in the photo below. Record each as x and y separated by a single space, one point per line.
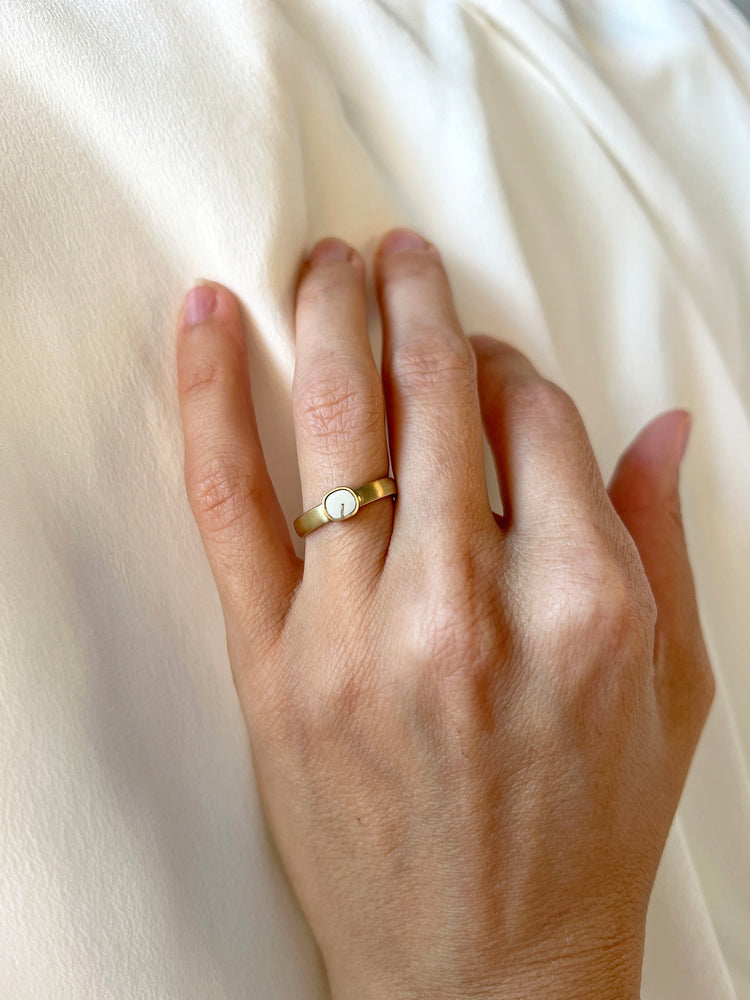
596 980
569 973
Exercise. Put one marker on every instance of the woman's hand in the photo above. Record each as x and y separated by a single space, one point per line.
470 731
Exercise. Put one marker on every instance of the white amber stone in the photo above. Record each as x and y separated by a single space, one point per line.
340 504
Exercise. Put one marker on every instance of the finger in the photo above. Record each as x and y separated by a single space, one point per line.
644 490
429 376
233 501
339 413
548 475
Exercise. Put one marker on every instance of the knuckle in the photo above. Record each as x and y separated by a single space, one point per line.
612 614
443 650
434 358
220 492
445 636
591 604
455 673
600 636
624 626
337 402
539 396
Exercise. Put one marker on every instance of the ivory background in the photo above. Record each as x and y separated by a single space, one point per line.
582 166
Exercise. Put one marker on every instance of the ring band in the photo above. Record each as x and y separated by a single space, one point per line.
342 503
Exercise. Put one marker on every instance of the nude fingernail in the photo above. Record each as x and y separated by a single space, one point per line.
330 250
404 240
200 302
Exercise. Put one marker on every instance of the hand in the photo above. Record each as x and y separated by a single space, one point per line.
470 731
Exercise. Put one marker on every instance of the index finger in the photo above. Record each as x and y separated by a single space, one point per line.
238 514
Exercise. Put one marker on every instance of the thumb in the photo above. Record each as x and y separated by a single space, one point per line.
644 491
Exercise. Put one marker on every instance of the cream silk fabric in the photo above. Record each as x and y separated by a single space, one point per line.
584 167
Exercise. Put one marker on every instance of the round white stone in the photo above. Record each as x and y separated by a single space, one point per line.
340 504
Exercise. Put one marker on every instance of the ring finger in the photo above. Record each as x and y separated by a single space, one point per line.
339 411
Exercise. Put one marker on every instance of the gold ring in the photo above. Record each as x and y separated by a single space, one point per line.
342 503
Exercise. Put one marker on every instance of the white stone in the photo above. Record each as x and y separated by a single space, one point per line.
340 504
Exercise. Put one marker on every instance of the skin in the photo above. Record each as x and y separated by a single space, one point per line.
470 731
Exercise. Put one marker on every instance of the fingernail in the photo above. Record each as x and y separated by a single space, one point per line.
200 302
330 250
401 240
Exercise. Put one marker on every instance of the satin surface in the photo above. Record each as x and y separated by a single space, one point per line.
583 168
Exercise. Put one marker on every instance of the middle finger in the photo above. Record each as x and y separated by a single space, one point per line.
430 382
